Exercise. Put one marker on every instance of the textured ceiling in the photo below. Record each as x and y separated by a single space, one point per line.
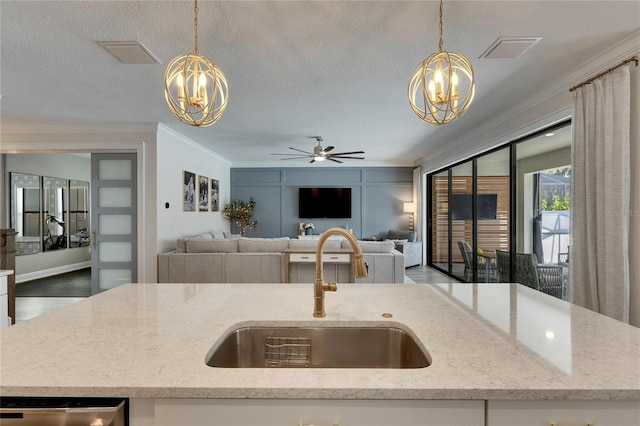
295 68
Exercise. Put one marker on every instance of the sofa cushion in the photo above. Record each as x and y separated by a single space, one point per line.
181 242
395 234
211 246
253 268
263 245
372 246
218 235
313 245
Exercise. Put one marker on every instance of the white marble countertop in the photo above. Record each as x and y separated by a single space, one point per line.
486 341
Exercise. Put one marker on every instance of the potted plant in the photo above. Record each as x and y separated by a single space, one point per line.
240 213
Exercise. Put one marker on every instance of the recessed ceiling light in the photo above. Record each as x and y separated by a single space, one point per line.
510 47
549 134
130 52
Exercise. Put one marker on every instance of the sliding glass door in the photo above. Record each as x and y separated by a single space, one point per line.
508 204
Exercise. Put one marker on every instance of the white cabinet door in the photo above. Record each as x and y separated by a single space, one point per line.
270 412
563 413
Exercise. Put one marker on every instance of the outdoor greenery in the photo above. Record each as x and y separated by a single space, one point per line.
555 196
240 213
562 171
555 205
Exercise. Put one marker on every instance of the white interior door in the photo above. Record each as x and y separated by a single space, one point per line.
113 221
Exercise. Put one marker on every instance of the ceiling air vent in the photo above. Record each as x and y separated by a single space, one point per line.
130 52
510 47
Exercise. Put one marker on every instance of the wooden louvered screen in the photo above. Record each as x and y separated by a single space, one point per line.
492 233
440 206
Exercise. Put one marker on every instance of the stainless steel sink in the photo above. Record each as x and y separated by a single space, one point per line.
322 346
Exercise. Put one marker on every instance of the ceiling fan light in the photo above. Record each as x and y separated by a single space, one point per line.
321 153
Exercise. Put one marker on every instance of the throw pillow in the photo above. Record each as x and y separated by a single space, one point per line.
212 246
230 236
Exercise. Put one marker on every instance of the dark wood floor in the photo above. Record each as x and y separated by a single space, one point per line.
36 297
70 284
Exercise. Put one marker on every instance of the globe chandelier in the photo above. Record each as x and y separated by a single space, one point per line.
442 86
195 88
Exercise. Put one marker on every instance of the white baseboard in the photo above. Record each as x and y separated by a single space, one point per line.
30 276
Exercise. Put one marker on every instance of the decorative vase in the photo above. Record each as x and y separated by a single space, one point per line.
308 231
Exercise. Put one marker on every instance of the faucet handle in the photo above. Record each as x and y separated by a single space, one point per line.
329 286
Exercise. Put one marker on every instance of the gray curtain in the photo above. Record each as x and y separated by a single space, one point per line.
599 267
537 220
418 226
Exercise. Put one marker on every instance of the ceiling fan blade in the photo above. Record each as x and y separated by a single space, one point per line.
295 158
278 153
335 161
346 156
299 150
312 161
329 148
347 153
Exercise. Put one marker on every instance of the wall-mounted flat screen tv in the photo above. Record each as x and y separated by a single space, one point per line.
460 206
324 203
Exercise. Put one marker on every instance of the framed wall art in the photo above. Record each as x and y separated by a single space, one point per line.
189 191
203 194
215 195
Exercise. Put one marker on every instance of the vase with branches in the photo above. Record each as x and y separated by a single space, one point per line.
240 213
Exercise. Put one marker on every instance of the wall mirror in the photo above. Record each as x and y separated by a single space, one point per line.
49 213
78 213
25 212
54 213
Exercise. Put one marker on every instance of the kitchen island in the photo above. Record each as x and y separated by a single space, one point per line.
487 342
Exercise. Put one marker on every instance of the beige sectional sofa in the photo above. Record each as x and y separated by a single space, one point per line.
204 259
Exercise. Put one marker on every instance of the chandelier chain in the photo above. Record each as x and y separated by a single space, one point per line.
195 25
440 43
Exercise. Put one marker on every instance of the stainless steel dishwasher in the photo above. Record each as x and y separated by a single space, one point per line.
32 411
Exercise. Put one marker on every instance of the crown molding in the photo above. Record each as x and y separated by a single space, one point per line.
73 128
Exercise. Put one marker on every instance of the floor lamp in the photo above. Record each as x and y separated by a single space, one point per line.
410 208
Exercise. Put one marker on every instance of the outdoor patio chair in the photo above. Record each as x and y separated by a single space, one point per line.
544 278
551 280
563 257
503 261
467 256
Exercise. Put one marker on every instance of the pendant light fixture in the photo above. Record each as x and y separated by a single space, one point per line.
442 86
195 88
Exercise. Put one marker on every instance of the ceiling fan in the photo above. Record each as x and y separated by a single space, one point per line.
320 154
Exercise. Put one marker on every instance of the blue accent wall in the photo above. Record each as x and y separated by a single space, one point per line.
377 197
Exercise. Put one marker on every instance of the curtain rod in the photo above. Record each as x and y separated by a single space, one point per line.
631 59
